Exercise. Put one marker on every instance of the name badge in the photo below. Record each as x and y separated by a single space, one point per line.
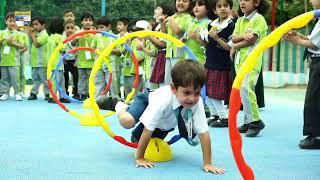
128 62
6 50
105 67
88 55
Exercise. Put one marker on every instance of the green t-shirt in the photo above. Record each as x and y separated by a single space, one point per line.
182 20
86 58
39 56
196 47
103 42
148 59
53 42
254 23
10 55
139 55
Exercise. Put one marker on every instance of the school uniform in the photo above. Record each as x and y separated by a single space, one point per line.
311 111
158 114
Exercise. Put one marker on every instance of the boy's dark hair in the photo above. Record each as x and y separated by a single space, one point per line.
104 21
69 21
124 20
190 8
188 72
167 9
132 26
41 20
9 15
214 3
87 14
67 11
209 6
56 25
263 7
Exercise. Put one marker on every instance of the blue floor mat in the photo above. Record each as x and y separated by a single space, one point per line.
40 141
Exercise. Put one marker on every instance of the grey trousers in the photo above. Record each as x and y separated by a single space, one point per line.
128 84
60 78
39 76
22 76
170 62
83 83
10 76
101 80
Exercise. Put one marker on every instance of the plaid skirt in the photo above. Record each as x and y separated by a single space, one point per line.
218 84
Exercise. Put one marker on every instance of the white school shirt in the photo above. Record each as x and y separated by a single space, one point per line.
315 38
160 112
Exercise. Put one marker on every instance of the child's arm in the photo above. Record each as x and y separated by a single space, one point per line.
300 39
220 41
142 146
175 28
206 152
237 38
34 38
12 41
157 42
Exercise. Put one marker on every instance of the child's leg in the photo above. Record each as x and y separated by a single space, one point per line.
14 73
219 107
169 64
43 77
75 77
82 82
22 76
128 114
114 90
248 97
100 82
66 76
127 84
5 80
36 81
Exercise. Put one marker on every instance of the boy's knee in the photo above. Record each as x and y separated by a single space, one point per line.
126 120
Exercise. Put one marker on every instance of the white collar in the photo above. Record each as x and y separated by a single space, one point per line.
250 16
175 103
221 25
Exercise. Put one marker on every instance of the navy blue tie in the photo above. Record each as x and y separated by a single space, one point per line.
182 126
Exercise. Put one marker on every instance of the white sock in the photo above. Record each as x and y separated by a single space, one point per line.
120 106
218 105
213 110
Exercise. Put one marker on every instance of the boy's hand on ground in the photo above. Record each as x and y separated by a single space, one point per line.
144 163
215 170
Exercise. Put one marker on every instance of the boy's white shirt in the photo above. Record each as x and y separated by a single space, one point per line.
160 112
315 38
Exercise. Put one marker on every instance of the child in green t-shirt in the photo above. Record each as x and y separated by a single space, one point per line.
39 60
10 46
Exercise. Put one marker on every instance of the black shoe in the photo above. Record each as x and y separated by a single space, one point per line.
63 100
310 142
76 96
219 123
243 128
32 96
47 97
82 97
50 100
107 103
254 128
211 119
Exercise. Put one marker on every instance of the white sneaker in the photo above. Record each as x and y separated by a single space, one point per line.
4 97
18 97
